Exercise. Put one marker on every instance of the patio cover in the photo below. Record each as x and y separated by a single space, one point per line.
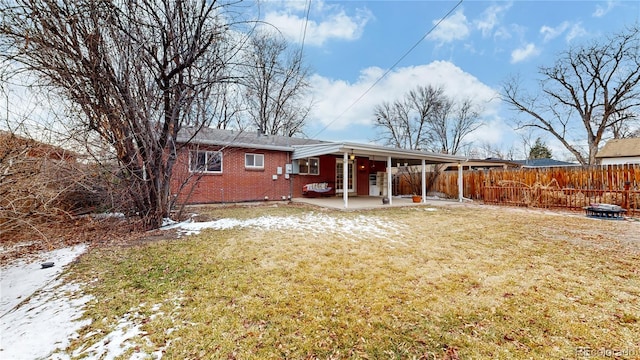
375 152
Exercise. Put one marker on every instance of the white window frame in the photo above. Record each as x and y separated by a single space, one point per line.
207 153
253 167
308 161
350 170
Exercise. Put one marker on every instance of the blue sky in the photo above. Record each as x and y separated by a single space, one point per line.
350 44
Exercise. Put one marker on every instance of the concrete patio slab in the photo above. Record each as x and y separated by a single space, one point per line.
371 202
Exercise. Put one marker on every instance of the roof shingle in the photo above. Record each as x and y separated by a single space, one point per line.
248 139
620 148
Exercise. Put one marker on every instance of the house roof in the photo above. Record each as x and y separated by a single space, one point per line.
491 162
35 148
620 148
411 157
543 163
303 148
245 139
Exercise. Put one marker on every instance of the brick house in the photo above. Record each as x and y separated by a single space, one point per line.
218 166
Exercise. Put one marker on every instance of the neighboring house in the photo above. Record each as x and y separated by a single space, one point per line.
539 163
493 163
620 151
231 166
29 148
484 164
37 183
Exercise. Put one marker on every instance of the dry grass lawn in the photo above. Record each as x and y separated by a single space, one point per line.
459 282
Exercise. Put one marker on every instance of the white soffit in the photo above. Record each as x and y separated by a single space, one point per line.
366 150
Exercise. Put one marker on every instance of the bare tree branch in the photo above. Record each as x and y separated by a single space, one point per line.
427 119
592 92
275 80
139 70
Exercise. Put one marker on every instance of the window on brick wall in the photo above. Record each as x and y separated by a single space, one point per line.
206 161
254 161
309 166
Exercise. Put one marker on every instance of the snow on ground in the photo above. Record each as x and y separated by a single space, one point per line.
317 224
40 312
37 308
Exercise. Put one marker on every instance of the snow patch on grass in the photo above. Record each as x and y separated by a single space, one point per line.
39 312
351 228
38 301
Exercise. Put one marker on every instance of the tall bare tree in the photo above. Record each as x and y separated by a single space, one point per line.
136 69
275 79
405 122
452 123
426 118
590 93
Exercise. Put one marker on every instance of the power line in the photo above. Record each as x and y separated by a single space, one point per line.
390 69
304 31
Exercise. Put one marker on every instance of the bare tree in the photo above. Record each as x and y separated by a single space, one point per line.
486 150
405 122
40 185
421 108
393 118
452 124
592 92
426 118
275 79
228 110
137 70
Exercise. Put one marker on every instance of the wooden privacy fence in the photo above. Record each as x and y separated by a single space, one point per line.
561 187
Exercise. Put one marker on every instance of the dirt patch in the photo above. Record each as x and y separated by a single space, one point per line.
93 231
150 237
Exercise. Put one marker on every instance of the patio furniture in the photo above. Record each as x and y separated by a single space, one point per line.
317 189
605 211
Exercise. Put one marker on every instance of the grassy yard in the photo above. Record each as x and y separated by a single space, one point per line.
458 282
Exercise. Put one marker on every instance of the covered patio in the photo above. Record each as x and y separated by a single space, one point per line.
348 151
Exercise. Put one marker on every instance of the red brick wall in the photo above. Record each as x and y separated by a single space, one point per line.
235 183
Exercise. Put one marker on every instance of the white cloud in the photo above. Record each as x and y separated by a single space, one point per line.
335 108
551 33
490 18
521 54
576 31
509 31
494 132
326 22
603 10
502 33
455 27
289 5
572 31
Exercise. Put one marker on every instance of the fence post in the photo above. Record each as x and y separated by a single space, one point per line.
625 194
